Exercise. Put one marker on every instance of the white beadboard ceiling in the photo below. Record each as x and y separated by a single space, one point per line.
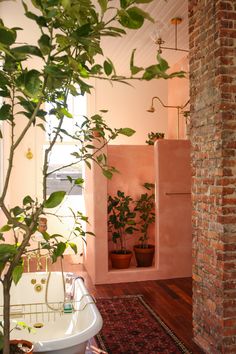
119 49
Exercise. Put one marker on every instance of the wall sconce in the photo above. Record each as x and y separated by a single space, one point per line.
179 109
159 40
29 155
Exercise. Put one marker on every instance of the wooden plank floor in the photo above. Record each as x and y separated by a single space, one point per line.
171 299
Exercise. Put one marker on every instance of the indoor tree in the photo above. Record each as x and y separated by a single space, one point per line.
69 48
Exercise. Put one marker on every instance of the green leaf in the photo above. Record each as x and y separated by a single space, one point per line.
177 74
17 273
56 236
33 83
96 69
125 3
69 179
46 236
79 181
27 200
107 68
3 80
55 71
5 93
103 5
5 228
44 44
131 18
88 164
54 199
107 173
73 246
28 49
7 36
6 251
17 210
40 125
134 69
66 3
162 63
64 112
5 112
142 13
60 249
127 131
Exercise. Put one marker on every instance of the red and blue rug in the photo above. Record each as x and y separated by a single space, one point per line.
130 326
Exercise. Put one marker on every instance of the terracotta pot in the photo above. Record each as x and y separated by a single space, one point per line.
144 256
120 260
24 343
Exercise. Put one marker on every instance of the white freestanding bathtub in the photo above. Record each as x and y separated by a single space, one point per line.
59 327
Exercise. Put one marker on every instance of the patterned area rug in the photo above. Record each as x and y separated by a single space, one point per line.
130 326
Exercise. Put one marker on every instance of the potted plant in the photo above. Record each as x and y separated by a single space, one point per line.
152 137
18 346
121 222
67 48
145 208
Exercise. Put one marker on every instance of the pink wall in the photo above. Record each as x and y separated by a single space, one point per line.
174 232
178 95
95 254
171 169
127 107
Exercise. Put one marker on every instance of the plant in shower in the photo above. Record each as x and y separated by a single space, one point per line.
145 209
152 137
121 223
69 53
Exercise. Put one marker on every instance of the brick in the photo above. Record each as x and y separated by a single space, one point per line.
212 27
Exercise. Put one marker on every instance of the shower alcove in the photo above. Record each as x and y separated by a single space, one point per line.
167 164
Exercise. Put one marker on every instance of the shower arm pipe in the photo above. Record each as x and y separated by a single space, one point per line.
167 106
179 108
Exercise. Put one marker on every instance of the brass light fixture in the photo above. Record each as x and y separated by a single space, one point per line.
29 155
159 40
180 109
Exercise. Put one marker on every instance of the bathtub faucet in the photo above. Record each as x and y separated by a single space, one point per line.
39 258
39 264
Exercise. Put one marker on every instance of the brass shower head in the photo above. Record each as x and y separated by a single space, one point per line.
151 109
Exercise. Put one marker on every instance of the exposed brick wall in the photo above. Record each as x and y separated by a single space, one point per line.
212 29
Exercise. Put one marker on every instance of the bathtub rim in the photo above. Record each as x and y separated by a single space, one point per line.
76 338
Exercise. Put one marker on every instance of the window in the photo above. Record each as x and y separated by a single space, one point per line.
61 154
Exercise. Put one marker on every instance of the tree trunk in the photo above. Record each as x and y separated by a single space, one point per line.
6 315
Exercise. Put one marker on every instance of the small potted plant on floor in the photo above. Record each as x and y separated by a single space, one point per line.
121 222
152 137
17 346
145 208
